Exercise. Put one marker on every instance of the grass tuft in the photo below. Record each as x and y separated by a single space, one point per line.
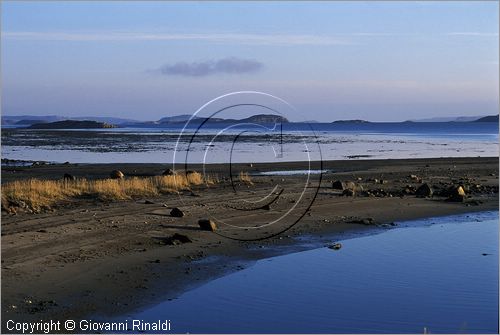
245 178
37 194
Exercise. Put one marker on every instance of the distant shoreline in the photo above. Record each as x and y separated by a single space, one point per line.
176 121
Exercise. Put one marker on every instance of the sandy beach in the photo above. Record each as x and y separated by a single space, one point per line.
92 258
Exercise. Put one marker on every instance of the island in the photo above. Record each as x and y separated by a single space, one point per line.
72 124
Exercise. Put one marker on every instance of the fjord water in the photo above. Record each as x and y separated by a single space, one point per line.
436 275
297 142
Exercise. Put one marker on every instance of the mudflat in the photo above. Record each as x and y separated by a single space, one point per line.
88 257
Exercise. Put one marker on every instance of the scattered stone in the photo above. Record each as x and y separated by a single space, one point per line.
178 239
366 221
351 185
176 213
409 190
168 172
383 181
456 194
338 185
207 224
69 177
116 174
424 191
348 193
350 189
379 193
335 246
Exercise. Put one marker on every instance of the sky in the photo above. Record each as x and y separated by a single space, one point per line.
378 61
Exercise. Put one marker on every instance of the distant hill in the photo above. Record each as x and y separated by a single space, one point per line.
265 118
490 118
176 118
106 119
72 124
449 119
32 119
259 118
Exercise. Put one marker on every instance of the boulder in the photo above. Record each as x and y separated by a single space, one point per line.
350 185
348 192
116 174
335 246
338 185
366 221
68 177
456 193
176 213
178 239
353 186
409 190
424 191
207 224
168 172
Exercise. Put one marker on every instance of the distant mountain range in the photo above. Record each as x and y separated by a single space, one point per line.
450 119
72 124
491 118
52 121
32 119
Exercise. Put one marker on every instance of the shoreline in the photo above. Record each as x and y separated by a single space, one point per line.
107 259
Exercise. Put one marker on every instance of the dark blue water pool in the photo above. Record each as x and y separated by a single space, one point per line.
441 277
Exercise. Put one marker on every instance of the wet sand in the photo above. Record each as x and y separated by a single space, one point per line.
89 258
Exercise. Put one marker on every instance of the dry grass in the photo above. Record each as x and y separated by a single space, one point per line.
245 178
36 194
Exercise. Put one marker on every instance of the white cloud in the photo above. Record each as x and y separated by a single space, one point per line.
252 39
472 34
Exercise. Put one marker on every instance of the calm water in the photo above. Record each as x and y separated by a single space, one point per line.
297 142
401 281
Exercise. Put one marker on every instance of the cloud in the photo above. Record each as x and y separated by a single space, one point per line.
224 65
238 38
278 39
472 34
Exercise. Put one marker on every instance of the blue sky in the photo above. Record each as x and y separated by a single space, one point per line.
380 61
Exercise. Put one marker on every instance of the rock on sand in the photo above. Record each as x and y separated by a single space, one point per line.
207 224
116 174
424 191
